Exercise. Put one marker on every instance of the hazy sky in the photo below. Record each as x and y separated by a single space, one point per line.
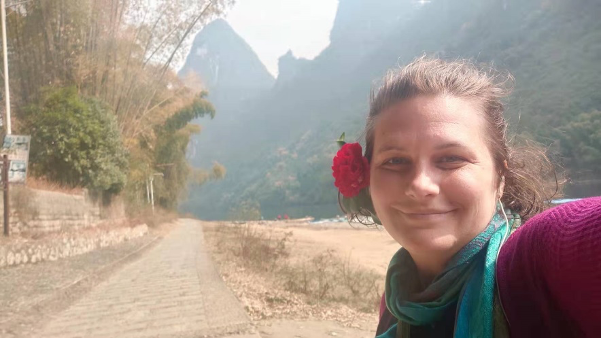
272 27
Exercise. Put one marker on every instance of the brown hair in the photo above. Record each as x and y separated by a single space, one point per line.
530 178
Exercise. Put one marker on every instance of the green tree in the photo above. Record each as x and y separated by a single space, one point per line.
75 141
173 138
579 141
120 52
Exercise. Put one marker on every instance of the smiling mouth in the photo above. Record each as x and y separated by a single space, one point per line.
427 215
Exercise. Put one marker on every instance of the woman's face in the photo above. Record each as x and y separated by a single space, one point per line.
432 181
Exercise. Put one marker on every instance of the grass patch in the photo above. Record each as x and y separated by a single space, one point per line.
322 278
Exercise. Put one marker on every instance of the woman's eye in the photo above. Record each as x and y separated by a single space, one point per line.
451 158
396 161
451 162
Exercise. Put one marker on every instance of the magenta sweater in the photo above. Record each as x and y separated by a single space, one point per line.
549 273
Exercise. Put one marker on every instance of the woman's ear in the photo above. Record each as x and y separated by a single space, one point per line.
502 184
500 190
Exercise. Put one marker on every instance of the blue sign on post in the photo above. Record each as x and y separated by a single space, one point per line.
17 149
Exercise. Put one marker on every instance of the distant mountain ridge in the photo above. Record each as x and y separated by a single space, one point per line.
278 144
224 61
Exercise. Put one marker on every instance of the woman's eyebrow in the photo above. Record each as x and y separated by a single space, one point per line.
450 145
386 148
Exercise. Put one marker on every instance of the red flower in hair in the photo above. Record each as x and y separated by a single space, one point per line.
350 170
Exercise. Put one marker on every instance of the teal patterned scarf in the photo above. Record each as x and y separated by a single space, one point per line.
468 281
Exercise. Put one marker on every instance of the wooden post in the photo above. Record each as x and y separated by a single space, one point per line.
5 168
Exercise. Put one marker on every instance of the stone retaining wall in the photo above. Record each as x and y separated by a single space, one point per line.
39 211
20 251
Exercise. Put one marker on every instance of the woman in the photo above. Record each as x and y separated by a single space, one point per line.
441 177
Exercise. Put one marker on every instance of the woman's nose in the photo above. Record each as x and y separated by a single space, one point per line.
422 184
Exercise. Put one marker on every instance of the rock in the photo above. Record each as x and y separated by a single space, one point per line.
10 258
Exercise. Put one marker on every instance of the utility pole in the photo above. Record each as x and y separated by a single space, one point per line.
147 192
152 194
5 56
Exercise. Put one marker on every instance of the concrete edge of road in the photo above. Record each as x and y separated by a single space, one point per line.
64 296
243 326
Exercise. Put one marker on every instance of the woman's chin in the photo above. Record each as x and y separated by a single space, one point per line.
432 243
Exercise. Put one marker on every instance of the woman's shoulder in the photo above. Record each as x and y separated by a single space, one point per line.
549 272
558 226
582 213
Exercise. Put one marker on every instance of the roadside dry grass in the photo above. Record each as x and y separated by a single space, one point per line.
275 276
